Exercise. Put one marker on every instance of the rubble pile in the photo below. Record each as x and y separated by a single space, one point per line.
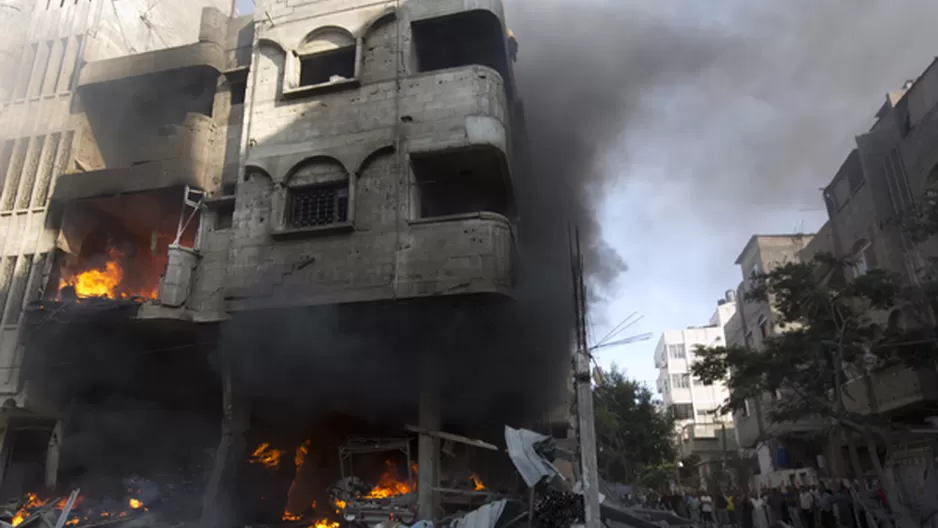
557 508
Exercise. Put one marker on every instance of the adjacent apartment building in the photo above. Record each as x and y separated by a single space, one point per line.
892 166
700 430
786 452
298 223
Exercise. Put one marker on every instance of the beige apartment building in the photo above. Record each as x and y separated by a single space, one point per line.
891 167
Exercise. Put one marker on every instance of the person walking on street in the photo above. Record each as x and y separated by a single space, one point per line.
828 502
730 509
721 505
693 508
706 508
746 511
806 504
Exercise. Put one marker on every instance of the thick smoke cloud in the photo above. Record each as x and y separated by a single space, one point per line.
582 73
585 71
743 144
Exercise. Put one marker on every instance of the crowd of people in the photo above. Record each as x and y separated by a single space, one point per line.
835 506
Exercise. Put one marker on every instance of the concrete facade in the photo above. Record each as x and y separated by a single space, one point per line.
893 165
377 135
45 45
674 356
752 323
317 155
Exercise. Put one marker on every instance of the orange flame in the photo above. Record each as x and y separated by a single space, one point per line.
324 523
104 282
300 455
388 483
267 457
33 502
476 482
298 460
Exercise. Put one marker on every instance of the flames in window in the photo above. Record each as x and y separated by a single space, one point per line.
105 279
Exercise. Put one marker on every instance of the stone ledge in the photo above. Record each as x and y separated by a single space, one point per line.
200 55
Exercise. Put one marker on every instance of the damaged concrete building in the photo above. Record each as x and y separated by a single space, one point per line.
300 224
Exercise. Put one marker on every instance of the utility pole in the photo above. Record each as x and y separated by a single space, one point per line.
586 429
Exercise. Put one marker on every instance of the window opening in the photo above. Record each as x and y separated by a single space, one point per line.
328 67
460 182
224 216
860 263
764 329
682 411
317 205
238 91
677 351
470 38
680 381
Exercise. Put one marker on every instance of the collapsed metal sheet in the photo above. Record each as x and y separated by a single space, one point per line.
484 517
529 463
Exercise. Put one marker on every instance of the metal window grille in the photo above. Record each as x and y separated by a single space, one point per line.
318 205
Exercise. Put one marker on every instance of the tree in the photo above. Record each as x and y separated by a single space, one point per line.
827 326
633 437
655 477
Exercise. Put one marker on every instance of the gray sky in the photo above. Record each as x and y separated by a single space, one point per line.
728 117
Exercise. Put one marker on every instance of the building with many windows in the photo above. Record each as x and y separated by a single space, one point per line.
702 432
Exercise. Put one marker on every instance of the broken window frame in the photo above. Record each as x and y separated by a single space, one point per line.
294 70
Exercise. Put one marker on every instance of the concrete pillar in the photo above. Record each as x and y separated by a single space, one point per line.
218 500
428 448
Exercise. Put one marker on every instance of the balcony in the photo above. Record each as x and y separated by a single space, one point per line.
707 438
461 254
751 432
458 107
894 389
177 156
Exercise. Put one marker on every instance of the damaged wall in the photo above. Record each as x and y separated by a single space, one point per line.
40 130
364 141
360 133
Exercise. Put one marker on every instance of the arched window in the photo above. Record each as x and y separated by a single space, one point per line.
317 194
327 56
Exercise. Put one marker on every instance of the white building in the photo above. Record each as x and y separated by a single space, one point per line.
700 431
689 399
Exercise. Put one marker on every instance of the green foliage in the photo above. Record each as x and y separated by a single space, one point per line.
824 324
633 437
655 477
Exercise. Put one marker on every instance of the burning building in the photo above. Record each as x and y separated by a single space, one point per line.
300 224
